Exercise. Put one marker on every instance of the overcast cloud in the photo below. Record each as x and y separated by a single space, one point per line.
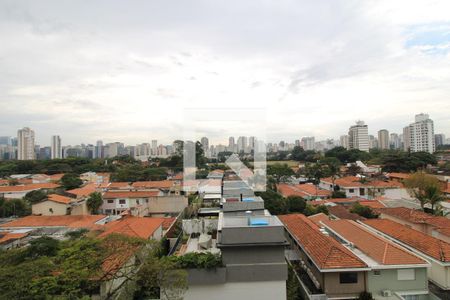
127 70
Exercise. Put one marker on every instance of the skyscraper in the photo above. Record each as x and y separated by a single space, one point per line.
25 143
344 141
308 143
56 150
422 134
383 139
395 141
242 144
98 149
358 137
231 143
205 143
439 139
406 138
154 147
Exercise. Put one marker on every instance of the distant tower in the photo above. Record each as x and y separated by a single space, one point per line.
422 134
56 150
25 143
383 139
358 137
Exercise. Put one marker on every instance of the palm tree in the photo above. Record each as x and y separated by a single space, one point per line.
433 196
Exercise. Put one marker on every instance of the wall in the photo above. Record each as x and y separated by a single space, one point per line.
333 288
43 208
80 209
387 280
199 225
439 274
167 204
263 290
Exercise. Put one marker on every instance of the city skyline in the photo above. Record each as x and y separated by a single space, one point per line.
88 77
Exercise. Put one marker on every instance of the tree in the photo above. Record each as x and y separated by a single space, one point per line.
71 181
422 186
35 196
363 211
338 194
43 246
14 207
434 196
295 204
94 202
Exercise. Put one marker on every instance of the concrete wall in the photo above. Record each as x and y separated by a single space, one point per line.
199 225
256 255
263 290
333 288
246 235
440 275
43 208
387 280
167 204
80 209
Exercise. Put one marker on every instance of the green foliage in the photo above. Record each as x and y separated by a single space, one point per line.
347 156
293 287
295 204
338 194
299 154
425 188
363 211
279 170
14 207
312 210
94 202
35 196
273 202
71 181
43 246
193 260
76 234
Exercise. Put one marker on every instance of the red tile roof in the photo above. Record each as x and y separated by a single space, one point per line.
418 217
317 218
84 191
28 187
76 221
133 226
424 243
372 203
131 194
161 184
168 222
302 190
326 252
10 236
342 212
56 177
116 185
59 198
378 248
398 175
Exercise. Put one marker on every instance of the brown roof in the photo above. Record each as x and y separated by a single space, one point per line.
326 252
133 226
417 217
84 191
59 198
75 221
425 243
56 177
302 190
398 175
28 187
353 181
372 204
130 194
118 185
10 236
317 218
378 248
342 212
161 184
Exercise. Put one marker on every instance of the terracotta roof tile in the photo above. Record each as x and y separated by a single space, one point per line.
302 190
131 194
133 226
342 212
425 243
115 185
28 187
59 198
376 247
326 252
161 184
353 181
317 218
11 236
76 221
84 191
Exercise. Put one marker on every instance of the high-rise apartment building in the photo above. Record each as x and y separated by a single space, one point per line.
56 150
358 136
25 143
98 150
421 134
373 142
205 143
344 141
383 139
395 141
154 147
439 139
242 144
308 143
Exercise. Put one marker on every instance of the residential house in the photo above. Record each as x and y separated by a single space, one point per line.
144 228
307 191
116 203
394 270
19 191
435 226
9 240
326 268
168 187
354 186
58 205
435 251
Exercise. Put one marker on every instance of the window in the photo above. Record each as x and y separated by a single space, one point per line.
406 274
122 201
377 272
362 191
146 200
110 201
351 190
348 277
137 202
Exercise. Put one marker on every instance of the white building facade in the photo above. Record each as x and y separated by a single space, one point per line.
25 144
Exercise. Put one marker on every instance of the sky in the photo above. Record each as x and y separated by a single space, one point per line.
133 71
